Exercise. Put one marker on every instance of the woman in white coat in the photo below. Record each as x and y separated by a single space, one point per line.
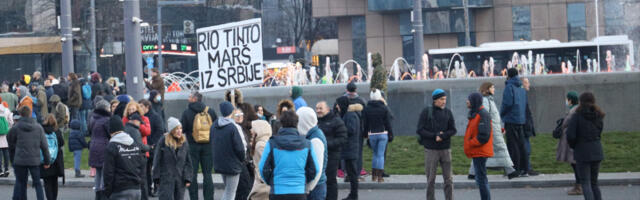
501 158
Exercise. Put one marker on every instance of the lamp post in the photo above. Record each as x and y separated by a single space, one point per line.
418 40
67 37
133 49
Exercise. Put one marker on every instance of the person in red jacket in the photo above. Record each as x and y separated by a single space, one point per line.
145 128
478 142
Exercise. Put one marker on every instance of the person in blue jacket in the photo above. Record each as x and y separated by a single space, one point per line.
288 162
514 103
296 96
76 145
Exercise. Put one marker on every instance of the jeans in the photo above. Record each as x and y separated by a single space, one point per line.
74 113
588 174
480 164
201 156
20 188
4 153
98 180
507 169
378 144
132 194
332 172
516 146
352 174
527 148
318 193
230 186
51 187
77 159
433 158
84 113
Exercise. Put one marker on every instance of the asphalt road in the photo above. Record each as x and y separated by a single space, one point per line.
608 192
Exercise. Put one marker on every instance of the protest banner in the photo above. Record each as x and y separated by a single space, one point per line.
230 55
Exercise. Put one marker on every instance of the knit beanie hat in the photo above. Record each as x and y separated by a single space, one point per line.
103 105
351 87
476 101
296 92
512 72
123 99
573 97
115 124
375 95
226 109
172 123
438 93
307 119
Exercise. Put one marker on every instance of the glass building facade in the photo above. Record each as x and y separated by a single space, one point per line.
521 22
576 21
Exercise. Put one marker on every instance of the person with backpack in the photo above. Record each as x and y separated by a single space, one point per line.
350 150
87 105
60 111
478 142
196 122
229 150
341 107
436 126
172 169
26 142
289 163
6 122
55 142
76 144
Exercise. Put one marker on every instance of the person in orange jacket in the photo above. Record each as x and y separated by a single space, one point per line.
478 141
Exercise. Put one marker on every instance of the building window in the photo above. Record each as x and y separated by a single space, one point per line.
358 28
576 21
521 22
614 18
408 50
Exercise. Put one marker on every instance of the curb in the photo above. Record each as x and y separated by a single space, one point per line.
498 184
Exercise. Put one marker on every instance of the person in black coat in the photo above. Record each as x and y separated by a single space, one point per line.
172 168
583 135
350 150
376 118
50 175
156 103
157 130
229 148
529 129
336 134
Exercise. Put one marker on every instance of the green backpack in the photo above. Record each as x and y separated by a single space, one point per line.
4 126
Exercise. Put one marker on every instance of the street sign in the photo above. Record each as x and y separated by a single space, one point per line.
230 55
286 50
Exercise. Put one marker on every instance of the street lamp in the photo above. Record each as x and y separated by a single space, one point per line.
159 13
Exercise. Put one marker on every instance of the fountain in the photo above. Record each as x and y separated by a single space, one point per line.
342 75
395 68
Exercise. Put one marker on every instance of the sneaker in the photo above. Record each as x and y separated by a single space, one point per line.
5 174
471 177
533 173
524 174
340 173
513 175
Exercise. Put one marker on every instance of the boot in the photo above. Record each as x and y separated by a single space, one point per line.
576 190
374 175
379 174
79 174
101 196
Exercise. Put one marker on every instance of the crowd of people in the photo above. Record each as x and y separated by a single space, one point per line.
135 152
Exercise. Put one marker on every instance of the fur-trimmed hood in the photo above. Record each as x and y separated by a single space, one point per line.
285 103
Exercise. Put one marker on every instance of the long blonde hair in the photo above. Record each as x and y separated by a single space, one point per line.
138 109
172 141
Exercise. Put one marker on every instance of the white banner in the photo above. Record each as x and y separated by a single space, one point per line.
230 55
